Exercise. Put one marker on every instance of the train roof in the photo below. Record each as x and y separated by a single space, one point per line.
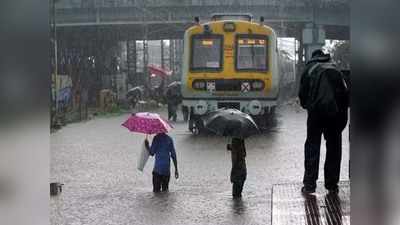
249 23
232 16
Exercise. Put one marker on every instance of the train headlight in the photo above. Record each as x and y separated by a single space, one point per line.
255 107
199 85
257 85
201 107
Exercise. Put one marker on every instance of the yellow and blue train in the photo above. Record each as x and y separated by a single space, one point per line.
230 62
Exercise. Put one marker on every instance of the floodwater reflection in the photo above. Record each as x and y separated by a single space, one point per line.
238 206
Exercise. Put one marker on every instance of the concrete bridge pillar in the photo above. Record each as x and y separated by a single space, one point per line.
171 55
300 60
131 62
175 53
146 61
162 54
313 38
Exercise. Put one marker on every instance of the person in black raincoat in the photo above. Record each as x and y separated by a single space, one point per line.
239 171
173 100
323 92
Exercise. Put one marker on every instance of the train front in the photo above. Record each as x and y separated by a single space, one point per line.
230 64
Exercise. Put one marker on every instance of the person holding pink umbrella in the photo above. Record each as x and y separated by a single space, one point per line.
162 146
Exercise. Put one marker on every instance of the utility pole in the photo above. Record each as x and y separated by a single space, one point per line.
172 56
54 107
162 54
145 45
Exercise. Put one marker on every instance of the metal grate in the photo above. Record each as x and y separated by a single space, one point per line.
290 207
229 105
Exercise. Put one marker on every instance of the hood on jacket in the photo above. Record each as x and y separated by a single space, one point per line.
320 58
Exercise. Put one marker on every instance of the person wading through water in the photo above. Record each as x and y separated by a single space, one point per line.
163 147
239 171
173 100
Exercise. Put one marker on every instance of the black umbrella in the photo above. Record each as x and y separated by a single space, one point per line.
173 89
230 122
138 90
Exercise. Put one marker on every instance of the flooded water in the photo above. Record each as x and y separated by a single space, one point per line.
96 160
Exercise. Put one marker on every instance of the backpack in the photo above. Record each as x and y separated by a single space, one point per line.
329 92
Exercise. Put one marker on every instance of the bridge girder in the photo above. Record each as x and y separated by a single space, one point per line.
125 32
170 21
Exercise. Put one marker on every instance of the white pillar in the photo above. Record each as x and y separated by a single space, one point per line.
313 38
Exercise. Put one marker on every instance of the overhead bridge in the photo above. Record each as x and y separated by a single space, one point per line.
169 19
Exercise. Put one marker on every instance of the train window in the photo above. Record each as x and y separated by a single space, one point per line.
206 52
252 53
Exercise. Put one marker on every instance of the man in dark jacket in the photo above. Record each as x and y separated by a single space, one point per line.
173 100
321 86
239 171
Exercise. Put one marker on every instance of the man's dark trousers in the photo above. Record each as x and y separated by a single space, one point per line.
331 127
237 188
160 182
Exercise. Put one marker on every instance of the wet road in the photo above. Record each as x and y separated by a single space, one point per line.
96 160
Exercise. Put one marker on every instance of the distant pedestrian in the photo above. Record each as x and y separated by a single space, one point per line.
173 100
239 171
185 112
324 93
163 148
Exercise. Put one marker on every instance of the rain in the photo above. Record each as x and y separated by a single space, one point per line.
181 61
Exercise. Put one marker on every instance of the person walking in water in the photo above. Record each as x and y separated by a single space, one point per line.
239 171
163 148
173 100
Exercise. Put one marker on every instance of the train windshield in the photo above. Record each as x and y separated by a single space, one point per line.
252 53
206 52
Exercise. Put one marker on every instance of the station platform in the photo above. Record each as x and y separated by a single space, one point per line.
290 207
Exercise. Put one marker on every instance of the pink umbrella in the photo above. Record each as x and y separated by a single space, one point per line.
147 123
158 71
